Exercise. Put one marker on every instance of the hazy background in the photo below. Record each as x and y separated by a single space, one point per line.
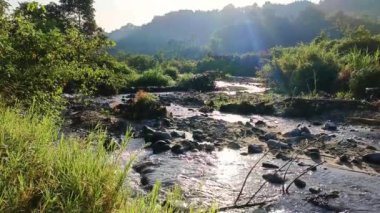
112 14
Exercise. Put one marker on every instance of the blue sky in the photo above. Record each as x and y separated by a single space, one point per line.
112 14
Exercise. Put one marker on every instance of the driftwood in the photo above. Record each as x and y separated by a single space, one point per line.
366 121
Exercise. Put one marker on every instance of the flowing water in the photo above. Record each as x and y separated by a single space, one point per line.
216 178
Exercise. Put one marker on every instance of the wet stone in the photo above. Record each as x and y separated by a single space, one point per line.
270 136
313 190
274 144
160 147
177 149
274 178
269 165
330 126
255 149
299 183
373 158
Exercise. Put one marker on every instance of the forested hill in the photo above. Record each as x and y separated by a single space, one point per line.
233 30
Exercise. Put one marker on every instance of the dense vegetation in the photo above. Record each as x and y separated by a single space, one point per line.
345 66
193 34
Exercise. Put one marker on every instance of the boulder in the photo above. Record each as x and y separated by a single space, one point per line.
274 144
255 149
160 147
373 158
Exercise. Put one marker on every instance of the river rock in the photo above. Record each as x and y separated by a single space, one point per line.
189 145
373 158
330 126
344 159
198 135
158 135
146 130
270 136
178 134
300 183
269 165
313 190
177 149
234 145
260 123
160 147
255 149
293 133
274 178
274 144
313 153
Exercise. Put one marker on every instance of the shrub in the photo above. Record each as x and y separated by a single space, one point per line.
172 72
153 78
43 171
364 78
143 106
200 82
304 69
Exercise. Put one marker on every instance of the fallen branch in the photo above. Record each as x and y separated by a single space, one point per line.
246 178
302 174
244 206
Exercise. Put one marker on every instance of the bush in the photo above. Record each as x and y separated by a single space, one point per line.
201 82
153 78
143 106
364 78
307 68
172 72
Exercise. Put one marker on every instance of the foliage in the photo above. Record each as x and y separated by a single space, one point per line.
44 171
38 59
348 65
245 65
201 82
172 72
153 77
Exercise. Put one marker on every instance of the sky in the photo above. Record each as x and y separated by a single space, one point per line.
113 14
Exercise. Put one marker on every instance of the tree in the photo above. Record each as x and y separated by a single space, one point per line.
81 13
3 7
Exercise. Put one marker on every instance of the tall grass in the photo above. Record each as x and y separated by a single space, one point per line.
43 171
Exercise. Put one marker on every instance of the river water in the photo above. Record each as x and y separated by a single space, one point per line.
216 178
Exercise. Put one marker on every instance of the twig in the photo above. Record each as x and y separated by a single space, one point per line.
244 206
302 174
263 184
290 164
246 178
